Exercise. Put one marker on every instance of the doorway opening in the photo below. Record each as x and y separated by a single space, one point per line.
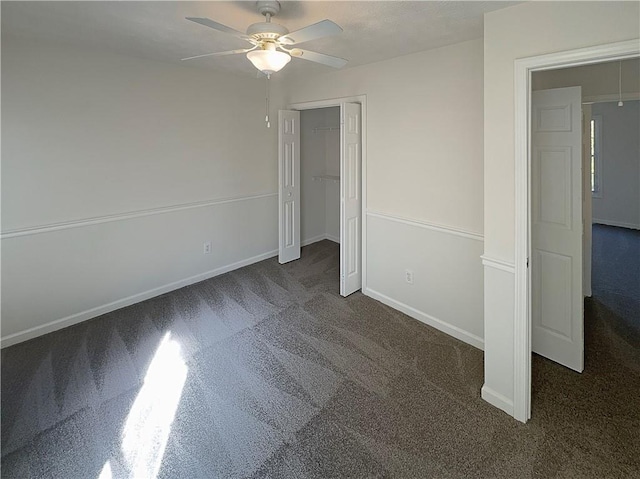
322 167
585 154
560 168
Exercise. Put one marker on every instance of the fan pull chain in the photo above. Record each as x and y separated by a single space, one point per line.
266 118
620 84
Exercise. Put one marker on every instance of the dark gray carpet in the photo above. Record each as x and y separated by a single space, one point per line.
616 276
268 372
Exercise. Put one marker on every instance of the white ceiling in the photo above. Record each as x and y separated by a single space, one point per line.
373 31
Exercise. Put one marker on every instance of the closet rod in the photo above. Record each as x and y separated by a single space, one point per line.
333 178
325 128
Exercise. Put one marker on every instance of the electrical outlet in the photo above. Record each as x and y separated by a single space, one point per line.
207 247
408 276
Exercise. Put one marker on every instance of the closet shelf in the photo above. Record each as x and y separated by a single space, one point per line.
325 128
327 178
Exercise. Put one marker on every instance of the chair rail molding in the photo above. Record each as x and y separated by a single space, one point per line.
427 225
500 264
34 230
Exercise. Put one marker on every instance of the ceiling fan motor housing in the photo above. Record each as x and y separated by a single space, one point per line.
266 31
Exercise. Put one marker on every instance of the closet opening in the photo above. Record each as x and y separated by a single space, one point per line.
320 184
320 175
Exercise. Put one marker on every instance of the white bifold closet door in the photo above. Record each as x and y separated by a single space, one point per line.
350 198
288 185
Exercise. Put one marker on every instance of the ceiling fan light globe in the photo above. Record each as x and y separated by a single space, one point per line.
268 61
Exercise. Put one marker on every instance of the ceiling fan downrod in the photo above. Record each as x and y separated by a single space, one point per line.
268 8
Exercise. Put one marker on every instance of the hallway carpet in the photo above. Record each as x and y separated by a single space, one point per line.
266 372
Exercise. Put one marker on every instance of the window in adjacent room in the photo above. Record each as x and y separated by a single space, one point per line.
596 160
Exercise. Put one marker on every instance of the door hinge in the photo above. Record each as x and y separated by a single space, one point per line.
527 262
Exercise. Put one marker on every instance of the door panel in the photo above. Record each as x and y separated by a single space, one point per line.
553 166
555 288
556 239
350 199
288 185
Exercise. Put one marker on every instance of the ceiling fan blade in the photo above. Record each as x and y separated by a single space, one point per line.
321 29
328 60
220 27
219 54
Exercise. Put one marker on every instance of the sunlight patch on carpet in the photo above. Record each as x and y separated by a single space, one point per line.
148 425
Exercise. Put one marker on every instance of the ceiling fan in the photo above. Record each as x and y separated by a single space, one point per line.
270 52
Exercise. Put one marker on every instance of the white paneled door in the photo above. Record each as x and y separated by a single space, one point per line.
350 198
288 185
556 226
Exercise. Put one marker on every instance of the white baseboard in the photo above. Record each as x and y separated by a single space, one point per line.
440 325
619 224
315 239
496 399
121 303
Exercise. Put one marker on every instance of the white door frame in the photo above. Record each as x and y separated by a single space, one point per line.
362 100
587 200
523 69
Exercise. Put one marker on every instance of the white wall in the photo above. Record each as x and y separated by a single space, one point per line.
529 29
423 179
140 157
619 201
